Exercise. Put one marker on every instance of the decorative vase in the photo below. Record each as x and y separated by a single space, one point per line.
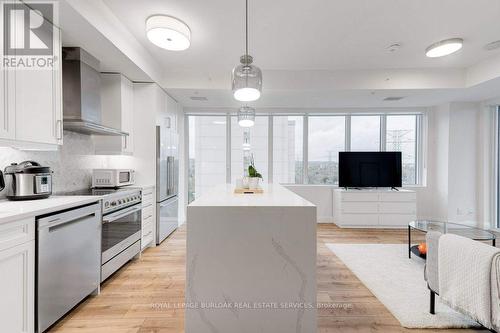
245 182
253 183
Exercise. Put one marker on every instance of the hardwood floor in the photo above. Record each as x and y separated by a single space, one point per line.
136 299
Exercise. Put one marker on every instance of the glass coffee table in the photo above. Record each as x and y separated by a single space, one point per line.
447 228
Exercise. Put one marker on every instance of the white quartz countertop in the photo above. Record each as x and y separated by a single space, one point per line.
274 196
16 210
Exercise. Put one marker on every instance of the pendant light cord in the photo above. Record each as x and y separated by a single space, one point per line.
246 28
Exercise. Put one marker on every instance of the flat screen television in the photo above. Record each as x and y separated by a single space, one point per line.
370 169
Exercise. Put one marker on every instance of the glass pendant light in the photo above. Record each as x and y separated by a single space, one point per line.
246 78
246 116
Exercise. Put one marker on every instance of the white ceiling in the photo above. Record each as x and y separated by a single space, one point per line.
319 34
296 35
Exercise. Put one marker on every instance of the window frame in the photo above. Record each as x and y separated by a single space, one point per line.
420 134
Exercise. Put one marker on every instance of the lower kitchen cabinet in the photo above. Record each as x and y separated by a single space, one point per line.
17 276
17 287
148 217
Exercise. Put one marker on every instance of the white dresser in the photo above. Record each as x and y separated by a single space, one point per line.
374 208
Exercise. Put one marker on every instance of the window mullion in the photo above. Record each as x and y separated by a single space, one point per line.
270 150
305 149
228 148
418 150
383 132
347 139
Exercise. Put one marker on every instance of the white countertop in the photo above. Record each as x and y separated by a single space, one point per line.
274 196
16 210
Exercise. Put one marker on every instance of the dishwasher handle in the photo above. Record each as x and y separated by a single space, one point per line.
72 215
58 224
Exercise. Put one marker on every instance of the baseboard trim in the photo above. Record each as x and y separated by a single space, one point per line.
325 219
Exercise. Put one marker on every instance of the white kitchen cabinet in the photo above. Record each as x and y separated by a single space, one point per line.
17 276
117 104
171 112
7 112
148 217
32 102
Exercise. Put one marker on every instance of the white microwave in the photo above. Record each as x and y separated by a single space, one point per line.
112 177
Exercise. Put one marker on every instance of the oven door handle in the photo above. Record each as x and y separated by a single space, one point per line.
119 215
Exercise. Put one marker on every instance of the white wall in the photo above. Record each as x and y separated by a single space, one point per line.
462 162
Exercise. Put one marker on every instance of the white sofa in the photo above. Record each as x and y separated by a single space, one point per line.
466 275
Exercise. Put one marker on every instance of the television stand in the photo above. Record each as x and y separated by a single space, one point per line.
374 208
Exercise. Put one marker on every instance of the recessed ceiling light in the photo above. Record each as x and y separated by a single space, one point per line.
492 46
168 32
394 47
444 47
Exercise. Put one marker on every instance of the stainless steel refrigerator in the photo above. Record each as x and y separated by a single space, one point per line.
167 182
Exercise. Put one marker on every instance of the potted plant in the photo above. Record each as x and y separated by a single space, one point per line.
253 175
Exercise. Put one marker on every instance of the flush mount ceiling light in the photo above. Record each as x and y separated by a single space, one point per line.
246 116
168 32
246 79
444 47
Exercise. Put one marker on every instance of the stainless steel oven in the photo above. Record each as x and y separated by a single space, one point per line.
121 236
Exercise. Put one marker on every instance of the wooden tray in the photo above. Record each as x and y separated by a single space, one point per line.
248 191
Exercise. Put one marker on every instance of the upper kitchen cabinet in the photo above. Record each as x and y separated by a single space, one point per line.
172 111
117 103
31 87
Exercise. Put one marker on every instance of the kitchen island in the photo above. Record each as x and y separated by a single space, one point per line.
251 262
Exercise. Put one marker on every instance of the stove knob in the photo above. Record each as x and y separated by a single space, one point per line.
120 202
106 204
113 203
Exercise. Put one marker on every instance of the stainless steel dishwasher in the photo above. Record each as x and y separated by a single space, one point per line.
68 261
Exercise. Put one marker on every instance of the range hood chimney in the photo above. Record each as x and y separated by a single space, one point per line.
82 94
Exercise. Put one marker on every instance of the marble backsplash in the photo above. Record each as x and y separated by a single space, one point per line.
72 163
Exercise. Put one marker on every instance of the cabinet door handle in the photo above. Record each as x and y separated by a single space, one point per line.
59 130
125 146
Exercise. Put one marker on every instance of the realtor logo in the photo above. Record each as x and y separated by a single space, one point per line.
28 34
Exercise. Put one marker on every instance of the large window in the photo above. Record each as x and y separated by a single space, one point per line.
255 140
207 154
326 139
288 161
365 133
401 135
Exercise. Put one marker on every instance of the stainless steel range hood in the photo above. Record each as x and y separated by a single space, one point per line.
82 94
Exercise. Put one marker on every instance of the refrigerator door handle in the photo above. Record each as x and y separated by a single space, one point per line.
169 177
172 175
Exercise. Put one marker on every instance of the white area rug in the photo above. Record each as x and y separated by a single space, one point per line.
398 283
